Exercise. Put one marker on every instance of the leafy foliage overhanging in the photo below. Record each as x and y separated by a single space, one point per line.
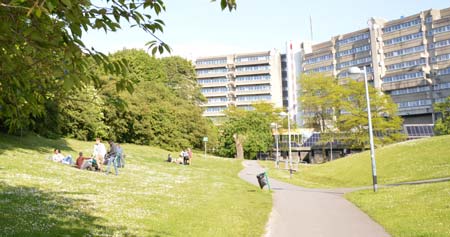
44 62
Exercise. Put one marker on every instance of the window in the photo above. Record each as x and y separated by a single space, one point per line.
320 69
442 86
253 58
406 51
253 97
214 90
354 62
211 71
444 71
246 107
318 59
211 61
253 68
253 88
404 38
217 99
215 109
403 77
353 39
440 100
439 30
440 58
212 80
429 19
354 50
402 26
406 64
440 44
410 90
253 78
415 103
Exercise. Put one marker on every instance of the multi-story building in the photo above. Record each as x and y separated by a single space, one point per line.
407 58
239 80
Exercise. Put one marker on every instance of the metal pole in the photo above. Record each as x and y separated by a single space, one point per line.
331 150
205 150
369 118
276 143
289 140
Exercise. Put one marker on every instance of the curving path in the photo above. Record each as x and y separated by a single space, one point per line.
307 212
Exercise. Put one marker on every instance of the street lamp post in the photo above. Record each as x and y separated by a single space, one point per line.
283 114
357 71
275 125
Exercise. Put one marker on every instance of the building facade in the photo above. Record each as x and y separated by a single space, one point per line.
407 58
239 80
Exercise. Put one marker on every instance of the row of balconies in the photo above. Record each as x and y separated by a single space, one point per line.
233 64
233 74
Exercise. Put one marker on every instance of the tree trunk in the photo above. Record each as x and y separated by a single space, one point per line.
239 146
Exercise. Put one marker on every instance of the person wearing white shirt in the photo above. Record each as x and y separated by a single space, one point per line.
99 153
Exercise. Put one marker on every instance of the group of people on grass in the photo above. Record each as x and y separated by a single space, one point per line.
99 158
184 158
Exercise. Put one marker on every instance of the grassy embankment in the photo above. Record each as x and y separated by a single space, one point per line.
149 197
411 210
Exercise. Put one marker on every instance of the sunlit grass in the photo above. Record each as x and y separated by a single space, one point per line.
407 161
149 197
413 210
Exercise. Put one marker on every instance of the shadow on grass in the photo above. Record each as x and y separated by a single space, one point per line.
32 142
27 211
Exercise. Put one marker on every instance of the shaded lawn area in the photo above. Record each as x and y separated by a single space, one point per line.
149 197
408 161
411 210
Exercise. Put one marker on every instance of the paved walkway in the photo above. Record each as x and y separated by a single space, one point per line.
307 212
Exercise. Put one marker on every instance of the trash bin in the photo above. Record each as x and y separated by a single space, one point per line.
261 180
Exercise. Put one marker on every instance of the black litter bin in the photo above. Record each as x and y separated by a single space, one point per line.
261 180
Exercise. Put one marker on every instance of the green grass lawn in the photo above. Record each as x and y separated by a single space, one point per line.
411 210
404 211
408 161
149 197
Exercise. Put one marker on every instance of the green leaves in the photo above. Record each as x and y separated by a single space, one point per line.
230 4
251 127
342 109
442 126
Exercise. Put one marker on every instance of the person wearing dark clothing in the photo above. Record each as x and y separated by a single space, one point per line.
112 157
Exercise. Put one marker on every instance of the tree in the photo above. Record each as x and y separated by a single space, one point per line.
320 99
442 126
42 54
245 133
339 112
164 108
353 120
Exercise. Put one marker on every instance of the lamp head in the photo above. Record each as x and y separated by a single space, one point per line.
354 73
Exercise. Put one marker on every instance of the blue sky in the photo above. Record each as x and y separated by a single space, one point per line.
198 27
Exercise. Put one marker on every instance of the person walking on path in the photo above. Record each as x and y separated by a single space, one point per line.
301 211
99 153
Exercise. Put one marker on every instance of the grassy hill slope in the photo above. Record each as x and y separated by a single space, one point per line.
408 161
149 197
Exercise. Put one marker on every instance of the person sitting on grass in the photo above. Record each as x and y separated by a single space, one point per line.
58 157
169 158
83 162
